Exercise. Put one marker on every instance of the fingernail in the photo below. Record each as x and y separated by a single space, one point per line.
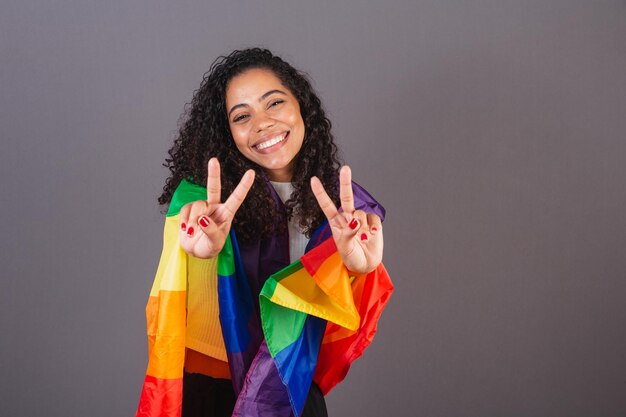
363 236
353 224
374 229
183 227
204 221
190 231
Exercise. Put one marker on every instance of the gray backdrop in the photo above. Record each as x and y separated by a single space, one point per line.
493 132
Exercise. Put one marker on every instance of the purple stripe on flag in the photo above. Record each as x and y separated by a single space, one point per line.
263 394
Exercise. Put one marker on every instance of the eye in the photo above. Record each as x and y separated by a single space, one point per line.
276 102
240 117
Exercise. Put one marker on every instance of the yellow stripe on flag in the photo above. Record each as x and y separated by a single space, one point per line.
172 271
299 291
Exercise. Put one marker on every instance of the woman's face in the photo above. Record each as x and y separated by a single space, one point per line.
265 121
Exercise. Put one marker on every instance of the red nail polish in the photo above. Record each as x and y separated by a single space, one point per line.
190 231
374 229
183 227
363 236
204 221
353 224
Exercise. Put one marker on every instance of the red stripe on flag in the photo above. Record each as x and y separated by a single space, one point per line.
313 259
160 397
337 354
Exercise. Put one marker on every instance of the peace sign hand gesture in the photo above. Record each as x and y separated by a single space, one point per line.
204 225
358 235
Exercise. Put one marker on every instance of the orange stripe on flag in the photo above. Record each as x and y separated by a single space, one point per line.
166 324
332 277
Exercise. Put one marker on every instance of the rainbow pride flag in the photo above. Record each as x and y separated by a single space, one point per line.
166 317
313 320
296 304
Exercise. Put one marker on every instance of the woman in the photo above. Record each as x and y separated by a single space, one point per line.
273 197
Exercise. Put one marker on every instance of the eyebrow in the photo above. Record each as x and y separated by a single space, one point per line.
263 97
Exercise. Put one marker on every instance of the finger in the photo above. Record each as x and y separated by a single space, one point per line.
375 224
183 217
375 243
208 227
239 193
213 182
345 189
324 201
198 208
362 228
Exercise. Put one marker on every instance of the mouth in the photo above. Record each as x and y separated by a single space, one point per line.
267 143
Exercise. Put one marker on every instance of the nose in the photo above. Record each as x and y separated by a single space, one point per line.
264 122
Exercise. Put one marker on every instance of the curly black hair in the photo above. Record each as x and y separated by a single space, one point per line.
204 133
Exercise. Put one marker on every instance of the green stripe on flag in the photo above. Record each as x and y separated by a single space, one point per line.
288 270
226 259
186 192
282 326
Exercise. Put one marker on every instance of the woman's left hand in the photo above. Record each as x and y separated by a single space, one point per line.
358 235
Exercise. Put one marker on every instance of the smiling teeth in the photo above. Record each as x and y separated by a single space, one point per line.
271 142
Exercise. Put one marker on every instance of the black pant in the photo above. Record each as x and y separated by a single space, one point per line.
204 396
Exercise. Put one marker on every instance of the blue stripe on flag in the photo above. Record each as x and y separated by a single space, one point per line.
296 363
236 305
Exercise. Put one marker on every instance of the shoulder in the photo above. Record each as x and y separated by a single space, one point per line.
186 192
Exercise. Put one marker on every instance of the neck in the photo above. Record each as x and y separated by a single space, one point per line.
280 175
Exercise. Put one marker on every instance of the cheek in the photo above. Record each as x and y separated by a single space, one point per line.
295 120
299 123
240 138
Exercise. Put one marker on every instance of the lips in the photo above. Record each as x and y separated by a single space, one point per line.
270 141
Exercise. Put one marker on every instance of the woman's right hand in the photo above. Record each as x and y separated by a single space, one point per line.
204 225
